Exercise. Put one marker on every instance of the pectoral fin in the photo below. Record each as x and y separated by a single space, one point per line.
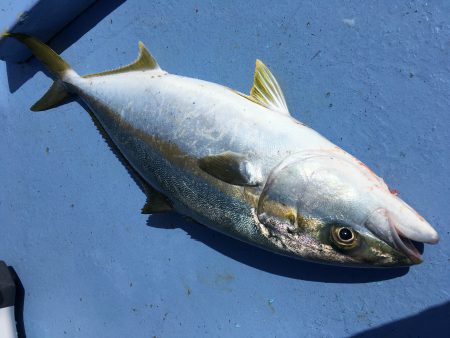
232 168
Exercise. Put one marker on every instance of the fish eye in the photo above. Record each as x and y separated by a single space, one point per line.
345 234
344 237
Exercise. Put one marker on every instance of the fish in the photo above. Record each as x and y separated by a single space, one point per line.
239 163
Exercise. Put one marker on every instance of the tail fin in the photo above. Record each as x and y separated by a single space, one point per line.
54 97
57 94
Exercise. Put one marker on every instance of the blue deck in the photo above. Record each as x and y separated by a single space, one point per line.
373 78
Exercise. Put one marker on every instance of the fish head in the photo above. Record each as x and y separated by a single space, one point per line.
329 207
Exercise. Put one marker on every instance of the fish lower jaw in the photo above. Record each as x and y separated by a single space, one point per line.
406 247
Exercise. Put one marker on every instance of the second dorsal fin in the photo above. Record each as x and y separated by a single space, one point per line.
144 61
266 91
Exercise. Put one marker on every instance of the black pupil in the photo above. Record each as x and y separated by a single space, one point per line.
345 234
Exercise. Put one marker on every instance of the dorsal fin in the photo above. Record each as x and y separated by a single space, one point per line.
144 61
266 90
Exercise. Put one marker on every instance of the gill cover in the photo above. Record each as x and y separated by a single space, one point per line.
316 195
313 186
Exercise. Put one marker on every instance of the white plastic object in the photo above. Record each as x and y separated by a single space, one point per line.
7 323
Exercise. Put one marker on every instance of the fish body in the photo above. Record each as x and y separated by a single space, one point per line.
164 123
241 164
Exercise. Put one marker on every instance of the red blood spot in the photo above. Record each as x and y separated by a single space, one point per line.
393 191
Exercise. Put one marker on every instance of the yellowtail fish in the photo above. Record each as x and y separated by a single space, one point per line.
241 164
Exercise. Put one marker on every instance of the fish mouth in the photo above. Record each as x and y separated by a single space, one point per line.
404 244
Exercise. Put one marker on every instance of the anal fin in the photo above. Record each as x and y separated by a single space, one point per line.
156 203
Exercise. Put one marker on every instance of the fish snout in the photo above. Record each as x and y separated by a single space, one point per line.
410 224
399 227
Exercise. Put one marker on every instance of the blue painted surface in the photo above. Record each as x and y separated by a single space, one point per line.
42 18
376 84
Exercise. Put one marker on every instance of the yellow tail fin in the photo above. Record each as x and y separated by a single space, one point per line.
51 60
57 94
54 97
